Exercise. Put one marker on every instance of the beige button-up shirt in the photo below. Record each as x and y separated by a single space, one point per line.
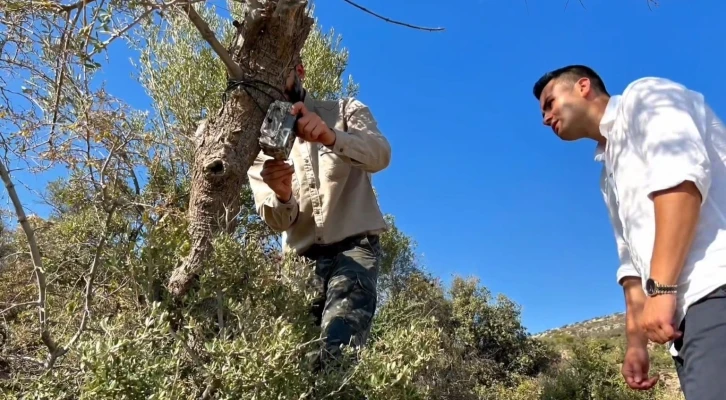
332 191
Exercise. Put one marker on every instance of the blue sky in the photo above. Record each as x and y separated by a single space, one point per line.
483 187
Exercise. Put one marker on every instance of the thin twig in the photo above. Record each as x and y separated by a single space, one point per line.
20 305
61 67
192 353
71 7
121 32
88 295
210 389
220 312
390 20
342 385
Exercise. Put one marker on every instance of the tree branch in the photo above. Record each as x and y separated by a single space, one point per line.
74 6
235 71
34 255
121 32
390 20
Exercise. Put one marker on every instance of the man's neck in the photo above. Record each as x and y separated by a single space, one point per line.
598 111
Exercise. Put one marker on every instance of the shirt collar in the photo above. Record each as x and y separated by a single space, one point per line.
606 124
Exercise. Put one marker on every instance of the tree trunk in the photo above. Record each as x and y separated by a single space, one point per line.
269 42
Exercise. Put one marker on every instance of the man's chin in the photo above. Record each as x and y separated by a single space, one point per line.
565 137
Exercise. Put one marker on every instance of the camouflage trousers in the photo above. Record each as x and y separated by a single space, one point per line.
345 281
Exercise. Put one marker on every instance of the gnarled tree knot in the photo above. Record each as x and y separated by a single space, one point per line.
215 168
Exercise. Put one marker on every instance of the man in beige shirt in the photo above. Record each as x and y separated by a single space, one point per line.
323 202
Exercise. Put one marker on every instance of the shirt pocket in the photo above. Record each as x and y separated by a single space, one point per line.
332 166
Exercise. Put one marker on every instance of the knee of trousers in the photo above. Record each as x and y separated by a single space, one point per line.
349 311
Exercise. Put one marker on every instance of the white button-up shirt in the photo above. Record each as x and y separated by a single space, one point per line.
659 134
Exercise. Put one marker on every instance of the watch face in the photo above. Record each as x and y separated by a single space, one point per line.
650 286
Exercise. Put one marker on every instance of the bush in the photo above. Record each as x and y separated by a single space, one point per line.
593 373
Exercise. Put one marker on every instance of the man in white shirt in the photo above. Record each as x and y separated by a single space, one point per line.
664 183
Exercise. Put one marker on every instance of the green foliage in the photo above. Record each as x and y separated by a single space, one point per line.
592 373
325 62
244 331
399 259
495 333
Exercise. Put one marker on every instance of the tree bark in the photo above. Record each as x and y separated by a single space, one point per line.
270 40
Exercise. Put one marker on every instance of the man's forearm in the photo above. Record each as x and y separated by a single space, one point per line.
279 215
361 142
676 217
367 150
634 301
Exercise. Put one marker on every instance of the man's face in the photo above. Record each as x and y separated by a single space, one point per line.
564 108
293 78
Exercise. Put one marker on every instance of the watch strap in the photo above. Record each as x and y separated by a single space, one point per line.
655 288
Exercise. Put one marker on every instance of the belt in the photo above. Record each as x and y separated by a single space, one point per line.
328 250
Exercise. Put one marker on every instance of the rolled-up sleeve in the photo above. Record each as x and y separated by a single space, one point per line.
277 215
626 267
362 143
666 126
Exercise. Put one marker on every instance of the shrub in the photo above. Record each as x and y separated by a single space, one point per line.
592 373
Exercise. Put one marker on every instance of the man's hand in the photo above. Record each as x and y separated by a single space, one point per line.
635 368
657 318
278 176
676 216
311 128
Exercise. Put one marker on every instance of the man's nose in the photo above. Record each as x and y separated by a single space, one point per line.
547 119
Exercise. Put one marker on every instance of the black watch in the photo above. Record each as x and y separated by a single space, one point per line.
653 288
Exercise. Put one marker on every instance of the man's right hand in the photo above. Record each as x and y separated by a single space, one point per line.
637 362
635 368
278 176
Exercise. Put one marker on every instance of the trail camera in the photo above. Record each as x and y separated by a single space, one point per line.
278 130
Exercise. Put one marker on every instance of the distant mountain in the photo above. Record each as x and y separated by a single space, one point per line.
606 327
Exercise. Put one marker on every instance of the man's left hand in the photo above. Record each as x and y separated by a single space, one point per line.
657 318
311 128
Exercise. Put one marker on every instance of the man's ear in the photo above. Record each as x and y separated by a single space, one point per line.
300 70
584 86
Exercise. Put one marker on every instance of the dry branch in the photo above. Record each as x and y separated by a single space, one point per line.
208 35
423 28
273 33
19 305
34 255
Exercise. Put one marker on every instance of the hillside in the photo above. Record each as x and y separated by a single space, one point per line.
610 330
609 326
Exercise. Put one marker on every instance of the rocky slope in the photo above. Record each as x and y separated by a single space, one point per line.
610 326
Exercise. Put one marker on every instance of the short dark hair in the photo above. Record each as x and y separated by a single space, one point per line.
573 73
